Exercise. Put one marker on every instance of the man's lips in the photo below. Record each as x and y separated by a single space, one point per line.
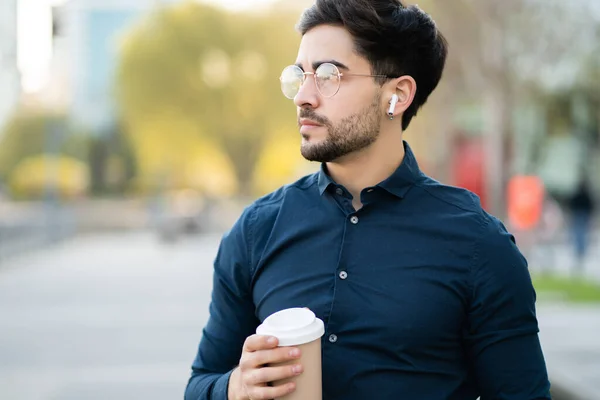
308 123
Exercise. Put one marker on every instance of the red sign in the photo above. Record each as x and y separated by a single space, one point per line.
525 201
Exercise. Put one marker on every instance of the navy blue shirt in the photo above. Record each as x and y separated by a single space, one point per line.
423 294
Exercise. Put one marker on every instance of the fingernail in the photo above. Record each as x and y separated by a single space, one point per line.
297 369
271 340
294 353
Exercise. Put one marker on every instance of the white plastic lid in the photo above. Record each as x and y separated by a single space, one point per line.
293 326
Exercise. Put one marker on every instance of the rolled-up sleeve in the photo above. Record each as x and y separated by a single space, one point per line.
232 317
502 329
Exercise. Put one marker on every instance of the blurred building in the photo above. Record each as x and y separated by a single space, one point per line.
10 86
85 55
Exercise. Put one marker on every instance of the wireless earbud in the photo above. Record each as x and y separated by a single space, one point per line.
393 103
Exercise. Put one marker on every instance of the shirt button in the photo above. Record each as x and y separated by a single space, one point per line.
339 191
343 275
333 338
354 220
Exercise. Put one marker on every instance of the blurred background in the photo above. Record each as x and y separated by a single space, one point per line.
133 132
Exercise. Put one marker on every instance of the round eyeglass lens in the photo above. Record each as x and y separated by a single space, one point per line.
291 81
327 77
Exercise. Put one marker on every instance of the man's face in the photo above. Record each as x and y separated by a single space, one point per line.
349 121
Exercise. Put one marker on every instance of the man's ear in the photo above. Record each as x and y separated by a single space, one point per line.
406 89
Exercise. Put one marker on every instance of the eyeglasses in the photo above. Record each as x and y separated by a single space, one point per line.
327 79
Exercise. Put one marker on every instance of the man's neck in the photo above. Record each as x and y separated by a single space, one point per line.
368 167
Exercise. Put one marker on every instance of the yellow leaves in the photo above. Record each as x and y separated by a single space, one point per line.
172 152
33 175
216 68
211 171
252 66
280 162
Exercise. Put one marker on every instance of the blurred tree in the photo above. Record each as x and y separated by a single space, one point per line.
30 178
207 78
111 161
505 54
183 158
31 133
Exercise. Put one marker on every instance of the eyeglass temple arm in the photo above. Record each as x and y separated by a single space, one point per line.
374 76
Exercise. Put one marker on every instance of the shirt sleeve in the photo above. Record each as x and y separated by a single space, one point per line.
232 315
502 330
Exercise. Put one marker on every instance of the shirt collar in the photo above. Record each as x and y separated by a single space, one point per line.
397 184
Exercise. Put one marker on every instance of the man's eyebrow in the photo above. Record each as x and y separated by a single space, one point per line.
316 64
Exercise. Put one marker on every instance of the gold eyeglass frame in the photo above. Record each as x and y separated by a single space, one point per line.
339 74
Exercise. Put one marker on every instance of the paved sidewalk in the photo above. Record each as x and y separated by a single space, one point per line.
570 337
119 316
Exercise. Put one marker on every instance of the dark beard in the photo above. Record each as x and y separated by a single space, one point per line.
352 134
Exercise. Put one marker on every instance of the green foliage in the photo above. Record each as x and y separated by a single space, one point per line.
576 290
28 134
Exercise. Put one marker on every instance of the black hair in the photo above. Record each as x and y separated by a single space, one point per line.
395 39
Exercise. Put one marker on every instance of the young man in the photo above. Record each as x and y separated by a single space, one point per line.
424 295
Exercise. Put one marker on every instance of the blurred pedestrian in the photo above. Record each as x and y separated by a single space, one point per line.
548 234
582 209
423 294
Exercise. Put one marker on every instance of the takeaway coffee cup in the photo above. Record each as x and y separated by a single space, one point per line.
299 327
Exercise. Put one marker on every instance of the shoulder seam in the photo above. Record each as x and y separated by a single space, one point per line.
253 217
477 243
250 242
482 223
285 189
446 201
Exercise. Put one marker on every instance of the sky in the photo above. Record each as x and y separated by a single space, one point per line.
35 36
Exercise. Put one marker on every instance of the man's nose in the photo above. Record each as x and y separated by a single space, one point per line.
308 95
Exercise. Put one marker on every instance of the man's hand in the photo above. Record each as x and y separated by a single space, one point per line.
250 381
